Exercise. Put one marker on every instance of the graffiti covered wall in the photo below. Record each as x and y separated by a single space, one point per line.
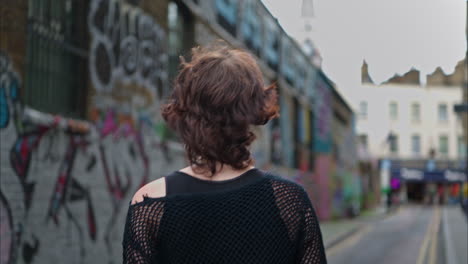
65 184
127 47
345 184
322 144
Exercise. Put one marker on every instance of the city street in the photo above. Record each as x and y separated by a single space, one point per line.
411 235
363 104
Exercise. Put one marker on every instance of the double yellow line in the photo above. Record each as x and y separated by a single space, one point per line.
430 239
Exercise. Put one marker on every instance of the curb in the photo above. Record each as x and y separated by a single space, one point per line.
450 255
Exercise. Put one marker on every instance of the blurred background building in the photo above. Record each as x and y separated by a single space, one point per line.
416 134
81 84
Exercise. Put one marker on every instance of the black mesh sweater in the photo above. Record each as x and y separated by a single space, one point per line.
267 219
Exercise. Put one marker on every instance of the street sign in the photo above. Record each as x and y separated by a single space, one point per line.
410 174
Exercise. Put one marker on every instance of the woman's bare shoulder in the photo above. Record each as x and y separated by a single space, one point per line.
154 189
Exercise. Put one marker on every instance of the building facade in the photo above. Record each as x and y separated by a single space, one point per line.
413 129
420 119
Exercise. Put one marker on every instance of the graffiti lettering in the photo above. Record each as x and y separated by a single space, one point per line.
127 46
64 158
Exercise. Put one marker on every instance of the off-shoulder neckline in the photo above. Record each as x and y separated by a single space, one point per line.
147 199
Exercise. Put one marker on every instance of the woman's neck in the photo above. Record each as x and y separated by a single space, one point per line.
225 172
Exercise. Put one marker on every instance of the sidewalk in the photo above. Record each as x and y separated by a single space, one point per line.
337 230
455 235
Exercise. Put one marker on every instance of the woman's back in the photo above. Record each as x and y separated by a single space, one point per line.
217 99
254 218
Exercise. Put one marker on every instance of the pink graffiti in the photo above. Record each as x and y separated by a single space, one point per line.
65 183
20 158
109 125
322 171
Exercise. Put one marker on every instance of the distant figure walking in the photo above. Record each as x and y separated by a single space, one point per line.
221 209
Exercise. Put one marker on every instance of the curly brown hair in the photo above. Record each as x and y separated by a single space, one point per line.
217 97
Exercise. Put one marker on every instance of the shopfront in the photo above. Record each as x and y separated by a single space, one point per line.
423 186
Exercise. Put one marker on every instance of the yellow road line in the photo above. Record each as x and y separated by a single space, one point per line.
423 248
433 251
427 237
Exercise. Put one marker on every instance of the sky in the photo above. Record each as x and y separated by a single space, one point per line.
391 35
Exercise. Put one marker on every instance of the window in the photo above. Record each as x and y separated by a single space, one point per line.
393 110
363 109
416 144
227 15
57 66
271 44
443 113
462 148
180 40
363 139
393 143
443 145
415 112
251 27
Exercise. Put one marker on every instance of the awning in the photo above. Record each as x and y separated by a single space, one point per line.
459 108
448 175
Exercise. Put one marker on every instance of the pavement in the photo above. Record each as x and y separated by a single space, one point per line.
335 231
455 235
411 234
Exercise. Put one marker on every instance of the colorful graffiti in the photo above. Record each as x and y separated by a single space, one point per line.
80 155
322 178
114 126
27 142
68 190
323 114
20 158
110 124
345 183
127 46
128 64
9 87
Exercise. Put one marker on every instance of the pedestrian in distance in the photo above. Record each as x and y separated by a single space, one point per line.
221 209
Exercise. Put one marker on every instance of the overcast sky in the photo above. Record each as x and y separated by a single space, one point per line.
391 35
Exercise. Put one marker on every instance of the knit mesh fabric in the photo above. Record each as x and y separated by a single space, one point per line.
269 221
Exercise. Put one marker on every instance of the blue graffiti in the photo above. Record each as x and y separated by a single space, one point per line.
4 112
9 85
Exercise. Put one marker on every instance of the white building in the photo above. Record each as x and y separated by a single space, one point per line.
414 129
420 119
404 120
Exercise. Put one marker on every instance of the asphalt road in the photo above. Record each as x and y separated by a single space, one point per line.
411 235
